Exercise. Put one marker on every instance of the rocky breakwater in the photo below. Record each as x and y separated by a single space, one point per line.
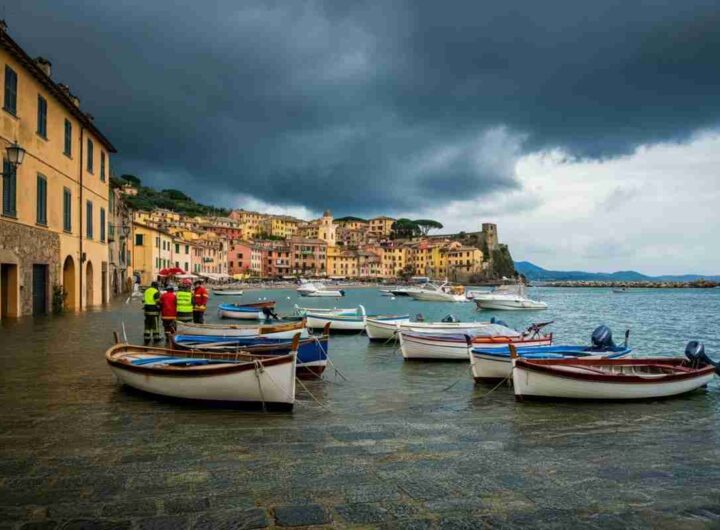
697 284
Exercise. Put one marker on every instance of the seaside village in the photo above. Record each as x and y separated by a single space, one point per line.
68 239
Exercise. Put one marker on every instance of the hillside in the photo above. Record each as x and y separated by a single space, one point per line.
535 273
149 199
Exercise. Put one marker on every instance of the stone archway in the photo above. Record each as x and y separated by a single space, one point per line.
89 285
69 282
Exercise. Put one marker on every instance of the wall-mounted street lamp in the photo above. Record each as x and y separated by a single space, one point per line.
15 155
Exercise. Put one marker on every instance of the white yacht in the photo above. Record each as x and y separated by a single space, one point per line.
431 292
508 297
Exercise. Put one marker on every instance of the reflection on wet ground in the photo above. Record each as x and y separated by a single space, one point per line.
397 445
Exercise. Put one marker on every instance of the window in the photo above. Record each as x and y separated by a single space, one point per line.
9 188
90 156
68 138
157 242
10 103
89 219
41 202
102 166
177 248
42 116
139 240
102 224
67 210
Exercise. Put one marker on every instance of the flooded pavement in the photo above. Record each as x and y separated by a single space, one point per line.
397 445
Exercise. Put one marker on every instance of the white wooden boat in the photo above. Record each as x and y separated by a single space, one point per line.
338 322
275 331
251 311
439 293
238 377
459 347
608 379
382 330
508 298
318 290
227 292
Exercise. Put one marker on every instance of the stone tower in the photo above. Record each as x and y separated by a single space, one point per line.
327 230
490 236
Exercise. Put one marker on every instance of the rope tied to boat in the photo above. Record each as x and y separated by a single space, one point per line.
259 369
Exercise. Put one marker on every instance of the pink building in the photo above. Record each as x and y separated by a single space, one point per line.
240 255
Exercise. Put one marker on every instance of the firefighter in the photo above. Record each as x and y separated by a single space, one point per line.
152 314
185 302
200 301
168 312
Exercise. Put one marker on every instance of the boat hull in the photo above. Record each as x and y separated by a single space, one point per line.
280 331
432 296
510 304
254 314
270 381
530 382
383 329
312 353
487 367
426 347
324 294
227 293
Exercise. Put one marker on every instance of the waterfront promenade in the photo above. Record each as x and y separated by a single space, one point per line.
392 447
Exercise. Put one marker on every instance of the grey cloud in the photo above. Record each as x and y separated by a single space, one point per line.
334 104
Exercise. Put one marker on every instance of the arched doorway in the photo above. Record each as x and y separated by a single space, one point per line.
89 281
69 282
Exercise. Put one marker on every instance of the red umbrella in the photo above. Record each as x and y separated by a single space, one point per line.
172 271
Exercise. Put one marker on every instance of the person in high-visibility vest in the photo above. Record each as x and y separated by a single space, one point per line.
200 301
151 332
185 302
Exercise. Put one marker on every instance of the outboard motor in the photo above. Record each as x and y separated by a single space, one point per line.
450 318
342 292
602 338
695 352
501 323
419 317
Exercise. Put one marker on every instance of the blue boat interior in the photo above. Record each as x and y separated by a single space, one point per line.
555 352
184 361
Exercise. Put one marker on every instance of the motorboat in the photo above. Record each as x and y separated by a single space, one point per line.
350 322
283 330
302 311
317 290
384 330
613 379
488 364
404 291
444 292
472 293
457 347
508 298
237 377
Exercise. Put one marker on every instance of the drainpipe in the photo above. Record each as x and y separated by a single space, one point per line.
80 223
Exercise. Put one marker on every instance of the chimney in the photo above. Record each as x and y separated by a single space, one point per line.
44 65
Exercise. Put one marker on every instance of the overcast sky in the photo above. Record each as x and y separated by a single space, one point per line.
587 130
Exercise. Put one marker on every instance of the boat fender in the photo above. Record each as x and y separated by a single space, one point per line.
602 338
450 318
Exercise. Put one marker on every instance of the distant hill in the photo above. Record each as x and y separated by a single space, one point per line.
149 199
536 273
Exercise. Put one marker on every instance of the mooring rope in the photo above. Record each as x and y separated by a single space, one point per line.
258 368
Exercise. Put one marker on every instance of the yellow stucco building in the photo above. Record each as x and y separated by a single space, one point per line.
54 216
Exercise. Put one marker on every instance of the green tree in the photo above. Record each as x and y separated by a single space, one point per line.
132 179
405 228
425 225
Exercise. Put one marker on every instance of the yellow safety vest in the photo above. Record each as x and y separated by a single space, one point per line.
150 296
184 302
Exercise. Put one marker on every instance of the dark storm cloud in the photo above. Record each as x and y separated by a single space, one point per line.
375 107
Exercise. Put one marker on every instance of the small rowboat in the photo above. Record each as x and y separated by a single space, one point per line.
285 330
457 347
489 364
610 379
312 352
227 292
384 330
239 378
252 311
